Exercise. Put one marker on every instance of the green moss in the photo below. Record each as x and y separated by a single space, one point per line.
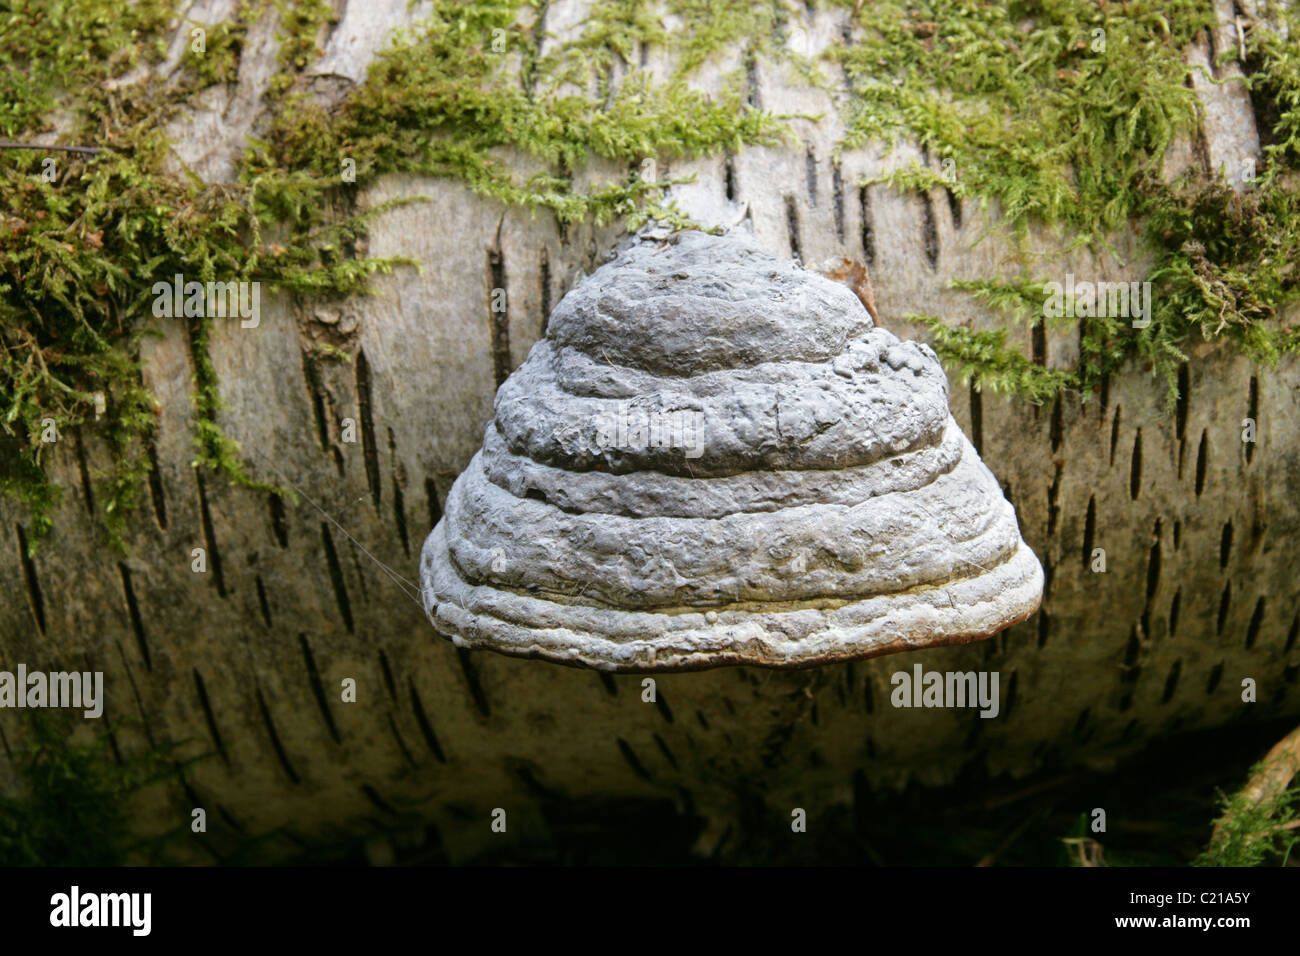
1033 118
1273 68
443 102
1062 113
300 24
69 804
1227 267
1024 100
1254 834
713 25
218 59
452 98
985 357
56 51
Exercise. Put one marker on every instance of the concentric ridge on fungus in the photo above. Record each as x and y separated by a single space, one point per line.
715 457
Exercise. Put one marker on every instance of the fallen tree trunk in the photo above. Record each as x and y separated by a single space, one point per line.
247 660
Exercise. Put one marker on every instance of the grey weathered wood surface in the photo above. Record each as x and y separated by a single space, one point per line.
246 660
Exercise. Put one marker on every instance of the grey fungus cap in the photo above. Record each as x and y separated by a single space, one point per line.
716 457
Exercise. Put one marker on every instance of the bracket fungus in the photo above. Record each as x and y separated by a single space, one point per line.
714 457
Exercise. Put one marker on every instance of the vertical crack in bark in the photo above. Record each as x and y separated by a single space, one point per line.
954 208
107 716
262 602
662 705
752 95
401 744
1135 467
35 599
1254 416
1256 622
544 283
810 172
369 447
156 494
929 231
275 739
470 670
498 306
729 177
837 198
205 704
388 676
83 469
1171 682
1216 674
1038 342
279 520
210 535
1057 428
663 749
868 227
318 688
1201 455
379 802
1180 414
792 227
1114 434
311 375
1089 529
133 609
1053 510
399 500
629 755
1225 601
336 577
426 727
145 723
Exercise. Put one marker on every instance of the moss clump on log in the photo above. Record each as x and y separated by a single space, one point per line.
80 250
70 807
1063 113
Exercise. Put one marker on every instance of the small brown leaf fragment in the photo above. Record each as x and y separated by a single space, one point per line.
854 275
